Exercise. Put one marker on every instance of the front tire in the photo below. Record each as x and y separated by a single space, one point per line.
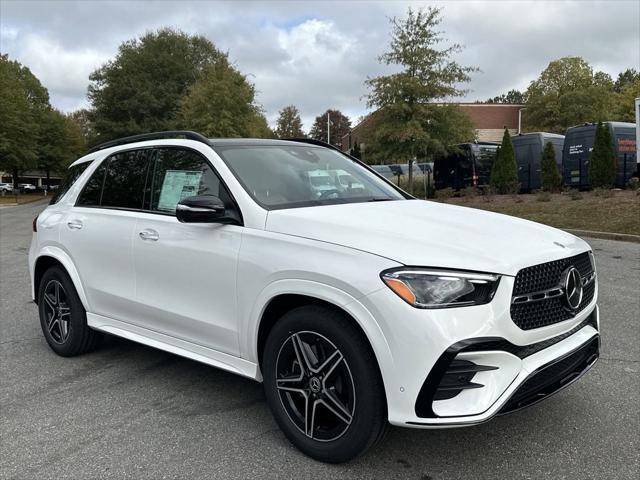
323 385
62 316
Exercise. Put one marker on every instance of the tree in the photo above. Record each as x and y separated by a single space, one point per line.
142 88
602 167
512 96
289 124
629 77
504 171
339 126
82 121
222 104
568 92
623 101
23 104
550 179
412 99
355 151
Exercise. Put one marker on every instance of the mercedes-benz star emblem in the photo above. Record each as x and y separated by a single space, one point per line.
315 384
572 287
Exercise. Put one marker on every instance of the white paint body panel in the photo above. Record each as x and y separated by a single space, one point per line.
200 290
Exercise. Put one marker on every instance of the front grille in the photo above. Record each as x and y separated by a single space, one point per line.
554 376
547 277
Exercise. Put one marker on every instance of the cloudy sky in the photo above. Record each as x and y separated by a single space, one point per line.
317 54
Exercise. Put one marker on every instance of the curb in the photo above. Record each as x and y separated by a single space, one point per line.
621 237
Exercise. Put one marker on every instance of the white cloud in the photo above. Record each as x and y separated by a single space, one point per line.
317 55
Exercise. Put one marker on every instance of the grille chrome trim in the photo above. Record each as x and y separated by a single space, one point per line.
537 296
550 293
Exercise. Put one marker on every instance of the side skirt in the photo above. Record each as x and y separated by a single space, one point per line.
176 346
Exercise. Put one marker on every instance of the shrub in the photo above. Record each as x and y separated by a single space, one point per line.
469 192
504 171
445 193
633 183
575 194
602 167
603 192
543 196
549 176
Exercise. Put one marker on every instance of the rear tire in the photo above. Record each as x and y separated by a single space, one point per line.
62 316
333 408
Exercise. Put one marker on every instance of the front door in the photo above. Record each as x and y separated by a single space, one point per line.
185 273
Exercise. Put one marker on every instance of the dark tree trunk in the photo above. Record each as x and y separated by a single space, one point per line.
14 173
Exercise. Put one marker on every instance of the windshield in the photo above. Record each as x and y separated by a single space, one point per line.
279 176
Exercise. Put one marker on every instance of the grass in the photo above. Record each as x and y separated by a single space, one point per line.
10 199
617 212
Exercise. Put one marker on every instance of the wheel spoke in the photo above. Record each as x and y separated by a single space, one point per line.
301 354
336 407
309 416
65 311
329 365
52 324
57 294
64 329
50 302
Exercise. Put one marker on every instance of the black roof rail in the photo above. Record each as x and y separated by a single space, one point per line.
186 134
320 143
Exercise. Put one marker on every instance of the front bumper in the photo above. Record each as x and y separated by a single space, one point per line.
519 367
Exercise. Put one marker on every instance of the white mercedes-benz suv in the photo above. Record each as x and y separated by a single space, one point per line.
355 305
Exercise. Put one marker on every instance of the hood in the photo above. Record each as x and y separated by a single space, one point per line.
430 234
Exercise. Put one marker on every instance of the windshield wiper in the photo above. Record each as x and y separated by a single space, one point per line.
380 199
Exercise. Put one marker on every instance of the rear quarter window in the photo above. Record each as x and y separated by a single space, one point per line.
73 173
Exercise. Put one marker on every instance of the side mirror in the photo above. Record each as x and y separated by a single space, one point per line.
201 209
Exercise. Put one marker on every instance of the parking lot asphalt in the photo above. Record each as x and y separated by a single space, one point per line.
130 411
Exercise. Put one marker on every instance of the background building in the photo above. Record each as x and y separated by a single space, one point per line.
489 121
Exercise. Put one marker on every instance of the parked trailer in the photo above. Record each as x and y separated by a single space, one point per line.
469 165
578 144
528 148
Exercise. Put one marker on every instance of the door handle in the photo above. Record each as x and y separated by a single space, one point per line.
149 234
74 224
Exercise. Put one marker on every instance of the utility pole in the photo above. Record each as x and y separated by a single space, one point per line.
328 128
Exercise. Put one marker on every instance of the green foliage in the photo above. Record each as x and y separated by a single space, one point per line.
339 125
411 123
512 96
221 104
602 171
289 124
567 93
504 171
142 88
550 179
623 100
629 77
24 103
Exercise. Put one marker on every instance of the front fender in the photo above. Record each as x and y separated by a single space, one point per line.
62 257
329 294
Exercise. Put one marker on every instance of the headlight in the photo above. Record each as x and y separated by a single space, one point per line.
433 288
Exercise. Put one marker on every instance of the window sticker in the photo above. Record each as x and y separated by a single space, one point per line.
178 184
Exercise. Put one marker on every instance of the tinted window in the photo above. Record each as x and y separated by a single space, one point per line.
124 180
178 174
73 173
90 195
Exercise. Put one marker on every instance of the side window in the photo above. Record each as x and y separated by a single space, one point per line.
90 195
179 173
124 180
73 173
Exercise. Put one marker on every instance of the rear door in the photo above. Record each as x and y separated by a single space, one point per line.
186 273
98 232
